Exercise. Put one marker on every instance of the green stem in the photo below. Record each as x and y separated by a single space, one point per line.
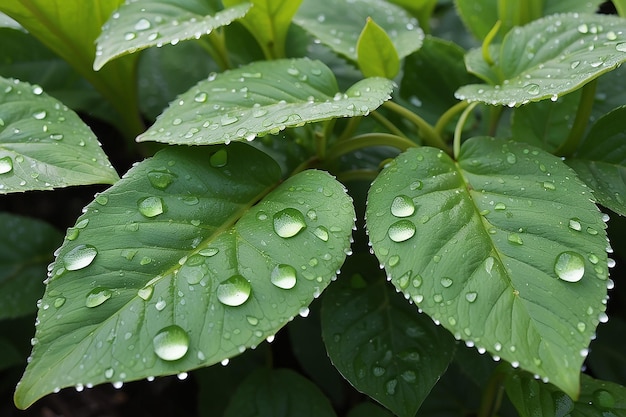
458 130
348 132
369 139
215 45
447 117
487 41
357 175
583 113
492 395
428 134
494 119
387 124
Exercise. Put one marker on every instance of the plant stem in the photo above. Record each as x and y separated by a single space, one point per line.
494 119
458 130
214 44
585 105
492 395
487 42
369 139
428 134
445 118
353 123
387 124
357 175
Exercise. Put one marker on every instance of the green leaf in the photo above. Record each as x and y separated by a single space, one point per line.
43 144
382 345
70 28
601 160
548 58
269 21
278 393
376 55
534 399
338 24
480 245
140 25
25 251
204 264
272 95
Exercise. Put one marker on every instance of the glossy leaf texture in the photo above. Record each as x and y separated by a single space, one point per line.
382 345
376 55
547 58
278 393
140 25
25 250
340 29
212 255
504 248
601 160
269 21
44 145
535 399
261 98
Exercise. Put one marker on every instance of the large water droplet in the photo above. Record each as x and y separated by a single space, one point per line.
284 276
322 233
151 206
79 257
532 89
145 293
289 222
402 206
446 282
471 296
219 159
603 399
574 224
569 266
97 296
171 343
515 239
401 231
160 180
142 24
6 165
234 291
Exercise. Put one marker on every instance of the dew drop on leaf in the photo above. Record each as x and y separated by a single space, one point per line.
234 291
569 266
515 239
201 97
40 115
79 257
621 47
160 180
151 206
97 297
322 233
574 224
284 276
219 159
171 343
446 282
401 231
145 293
143 24
471 296
289 222
59 301
532 89
603 399
6 165
402 206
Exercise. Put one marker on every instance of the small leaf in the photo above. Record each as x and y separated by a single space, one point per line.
338 24
485 259
376 55
25 251
272 95
278 393
601 160
548 58
43 144
139 25
198 271
382 345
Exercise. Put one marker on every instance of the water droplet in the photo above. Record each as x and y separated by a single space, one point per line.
402 206
145 293
160 304
621 47
6 165
102 199
404 280
322 233
574 224
160 179
499 206
446 282
177 121
219 159
79 257
289 222
416 185
228 120
142 24
234 291
394 260
401 231
40 115
59 301
391 386
151 206
569 266
108 373
284 276
378 371
532 89
549 185
471 296
171 343
583 28
97 296
201 97
129 36
515 239
581 326
603 399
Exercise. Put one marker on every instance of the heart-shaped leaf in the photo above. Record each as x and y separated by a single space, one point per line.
212 254
504 248
272 95
548 58
140 25
43 144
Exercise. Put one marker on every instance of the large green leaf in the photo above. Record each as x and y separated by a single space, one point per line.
278 393
480 245
338 24
204 264
601 160
548 58
25 251
261 98
139 25
381 345
269 21
43 144
534 399
376 55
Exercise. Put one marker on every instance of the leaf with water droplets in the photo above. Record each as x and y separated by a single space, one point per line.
44 145
381 345
508 246
376 54
263 98
136 26
601 160
195 247
25 249
547 58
